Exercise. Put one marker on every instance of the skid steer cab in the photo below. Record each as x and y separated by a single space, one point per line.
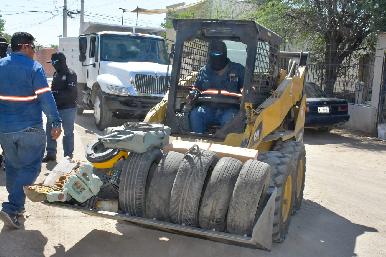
235 169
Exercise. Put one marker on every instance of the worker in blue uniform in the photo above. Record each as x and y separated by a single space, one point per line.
24 95
218 75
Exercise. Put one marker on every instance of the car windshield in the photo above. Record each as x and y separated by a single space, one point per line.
126 48
313 90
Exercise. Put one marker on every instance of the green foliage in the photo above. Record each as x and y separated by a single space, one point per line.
198 11
2 33
332 30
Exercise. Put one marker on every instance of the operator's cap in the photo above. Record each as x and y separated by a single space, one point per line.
217 47
59 56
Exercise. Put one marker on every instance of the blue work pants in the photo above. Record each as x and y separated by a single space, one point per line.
23 152
203 116
68 120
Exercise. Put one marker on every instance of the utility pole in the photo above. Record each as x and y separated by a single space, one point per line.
81 25
65 18
123 11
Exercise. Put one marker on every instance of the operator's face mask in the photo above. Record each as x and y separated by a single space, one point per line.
59 65
217 60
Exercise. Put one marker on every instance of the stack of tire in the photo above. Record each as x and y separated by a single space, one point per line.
198 189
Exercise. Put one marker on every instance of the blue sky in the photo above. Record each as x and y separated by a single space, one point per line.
43 18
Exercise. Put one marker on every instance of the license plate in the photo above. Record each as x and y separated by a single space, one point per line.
324 109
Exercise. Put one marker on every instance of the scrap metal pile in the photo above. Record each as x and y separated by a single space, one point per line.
134 171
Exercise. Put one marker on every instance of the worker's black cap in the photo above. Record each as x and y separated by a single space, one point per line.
59 56
3 40
217 46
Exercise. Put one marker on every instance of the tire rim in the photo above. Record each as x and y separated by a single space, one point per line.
97 109
287 199
300 177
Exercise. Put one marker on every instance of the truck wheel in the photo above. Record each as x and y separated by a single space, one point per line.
132 185
299 152
218 192
102 115
251 186
160 186
282 166
187 188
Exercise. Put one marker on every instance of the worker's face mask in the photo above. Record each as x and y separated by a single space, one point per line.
217 60
58 64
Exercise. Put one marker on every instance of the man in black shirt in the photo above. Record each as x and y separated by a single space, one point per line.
64 90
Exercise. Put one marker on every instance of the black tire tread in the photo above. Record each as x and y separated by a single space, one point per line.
132 186
188 184
251 185
282 167
298 150
218 192
160 186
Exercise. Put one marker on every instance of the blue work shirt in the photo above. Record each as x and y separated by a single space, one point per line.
24 94
231 80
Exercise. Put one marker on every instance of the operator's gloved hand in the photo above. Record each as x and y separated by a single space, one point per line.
193 95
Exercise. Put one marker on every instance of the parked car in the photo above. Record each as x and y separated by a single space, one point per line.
323 112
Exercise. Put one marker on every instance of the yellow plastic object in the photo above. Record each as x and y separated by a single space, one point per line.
110 163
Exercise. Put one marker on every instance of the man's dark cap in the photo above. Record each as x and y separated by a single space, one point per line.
3 40
217 46
59 56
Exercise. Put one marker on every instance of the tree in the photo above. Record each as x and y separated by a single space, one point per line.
335 28
2 33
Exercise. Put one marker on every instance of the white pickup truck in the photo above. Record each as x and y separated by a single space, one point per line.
120 74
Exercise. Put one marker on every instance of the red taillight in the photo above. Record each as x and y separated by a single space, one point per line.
343 108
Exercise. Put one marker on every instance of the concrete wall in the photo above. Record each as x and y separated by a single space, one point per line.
362 118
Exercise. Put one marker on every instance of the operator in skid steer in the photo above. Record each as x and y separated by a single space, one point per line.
218 76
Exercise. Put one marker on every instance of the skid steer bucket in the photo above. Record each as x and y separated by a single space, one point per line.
260 238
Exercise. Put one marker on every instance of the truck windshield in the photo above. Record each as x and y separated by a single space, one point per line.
126 48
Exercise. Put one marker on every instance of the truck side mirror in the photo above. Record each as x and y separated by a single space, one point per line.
82 48
92 47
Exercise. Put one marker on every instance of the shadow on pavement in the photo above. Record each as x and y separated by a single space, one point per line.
315 231
344 138
16 243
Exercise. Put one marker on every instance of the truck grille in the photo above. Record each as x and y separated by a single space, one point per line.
150 84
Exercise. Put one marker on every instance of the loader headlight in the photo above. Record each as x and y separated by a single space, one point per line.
117 90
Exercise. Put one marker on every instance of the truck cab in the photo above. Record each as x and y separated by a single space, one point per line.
121 74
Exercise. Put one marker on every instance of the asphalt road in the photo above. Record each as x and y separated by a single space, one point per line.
343 214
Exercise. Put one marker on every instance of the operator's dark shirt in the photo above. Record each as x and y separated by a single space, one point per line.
64 89
231 80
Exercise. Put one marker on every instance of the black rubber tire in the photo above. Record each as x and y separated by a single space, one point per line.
218 192
96 152
188 186
106 115
132 185
160 186
251 186
299 152
282 166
